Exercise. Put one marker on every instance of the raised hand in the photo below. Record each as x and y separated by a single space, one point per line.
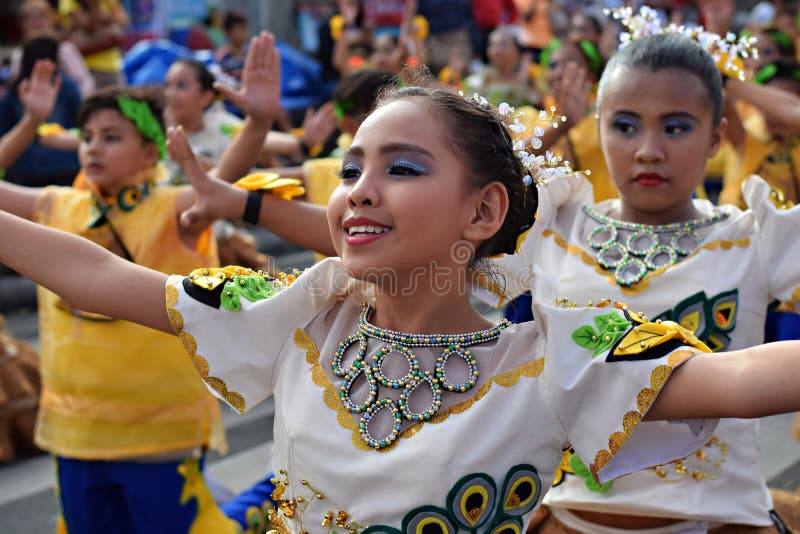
573 94
39 92
318 125
214 199
717 14
260 92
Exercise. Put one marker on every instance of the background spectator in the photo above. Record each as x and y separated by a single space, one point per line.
39 165
37 18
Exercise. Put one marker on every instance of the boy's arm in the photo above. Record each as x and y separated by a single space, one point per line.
38 95
259 98
83 273
753 382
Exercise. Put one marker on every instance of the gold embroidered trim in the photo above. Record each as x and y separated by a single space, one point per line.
233 398
346 419
589 260
658 377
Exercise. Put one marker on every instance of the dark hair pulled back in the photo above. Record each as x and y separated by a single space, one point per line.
477 133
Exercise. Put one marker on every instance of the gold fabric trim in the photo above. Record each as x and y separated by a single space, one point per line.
645 398
346 419
589 260
236 400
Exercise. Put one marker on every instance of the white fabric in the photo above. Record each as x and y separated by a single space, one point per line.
523 418
753 252
576 523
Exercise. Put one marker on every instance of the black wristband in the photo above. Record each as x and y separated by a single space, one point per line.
253 207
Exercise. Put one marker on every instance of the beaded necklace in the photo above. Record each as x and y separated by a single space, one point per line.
454 345
646 247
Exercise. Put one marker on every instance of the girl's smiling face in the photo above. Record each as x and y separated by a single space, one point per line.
404 199
657 133
113 153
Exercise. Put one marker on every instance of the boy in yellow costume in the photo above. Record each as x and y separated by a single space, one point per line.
126 420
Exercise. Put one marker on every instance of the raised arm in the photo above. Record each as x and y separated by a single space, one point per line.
753 382
259 98
38 95
300 222
777 104
86 275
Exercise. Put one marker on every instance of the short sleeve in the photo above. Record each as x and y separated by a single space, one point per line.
604 367
515 271
777 227
235 323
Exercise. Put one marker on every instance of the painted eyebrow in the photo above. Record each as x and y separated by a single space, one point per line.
391 148
675 115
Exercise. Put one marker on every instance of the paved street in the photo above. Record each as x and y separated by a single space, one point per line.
27 502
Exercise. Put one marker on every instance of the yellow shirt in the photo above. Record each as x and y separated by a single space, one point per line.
109 60
112 389
777 162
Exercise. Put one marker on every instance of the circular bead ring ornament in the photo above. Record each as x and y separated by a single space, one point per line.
363 424
608 230
643 241
659 251
684 235
394 383
610 255
454 345
436 402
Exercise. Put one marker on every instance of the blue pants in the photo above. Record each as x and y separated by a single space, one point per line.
102 497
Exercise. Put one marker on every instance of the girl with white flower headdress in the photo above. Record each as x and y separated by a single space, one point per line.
399 408
713 270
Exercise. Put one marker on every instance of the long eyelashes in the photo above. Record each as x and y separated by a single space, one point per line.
398 167
406 167
349 172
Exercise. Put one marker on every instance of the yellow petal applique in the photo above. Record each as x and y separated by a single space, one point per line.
286 188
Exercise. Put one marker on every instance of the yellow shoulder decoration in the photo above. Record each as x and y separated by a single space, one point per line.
646 335
286 188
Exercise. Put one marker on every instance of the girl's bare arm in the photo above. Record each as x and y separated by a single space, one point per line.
86 275
753 382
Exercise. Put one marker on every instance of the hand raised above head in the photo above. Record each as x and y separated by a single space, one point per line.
39 92
260 92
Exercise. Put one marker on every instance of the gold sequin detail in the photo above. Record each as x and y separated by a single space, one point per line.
589 260
778 198
697 467
233 398
346 420
292 510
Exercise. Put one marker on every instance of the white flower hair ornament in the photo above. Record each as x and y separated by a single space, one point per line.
540 169
727 51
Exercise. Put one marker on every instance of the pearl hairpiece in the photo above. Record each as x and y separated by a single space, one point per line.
727 51
540 168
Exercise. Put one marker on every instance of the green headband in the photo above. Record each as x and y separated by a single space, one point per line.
587 48
142 116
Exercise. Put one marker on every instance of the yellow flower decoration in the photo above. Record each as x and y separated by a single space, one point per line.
285 188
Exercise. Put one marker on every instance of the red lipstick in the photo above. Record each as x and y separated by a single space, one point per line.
649 179
362 230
